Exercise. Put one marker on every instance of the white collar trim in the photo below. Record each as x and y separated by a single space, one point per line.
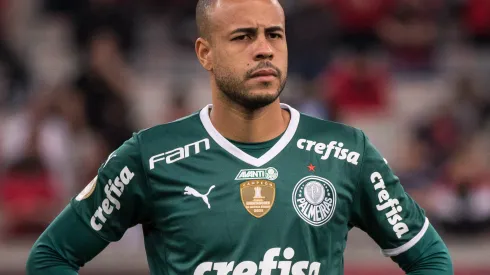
237 152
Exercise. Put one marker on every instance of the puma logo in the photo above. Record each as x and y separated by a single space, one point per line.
191 191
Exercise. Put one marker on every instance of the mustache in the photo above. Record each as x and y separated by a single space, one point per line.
264 65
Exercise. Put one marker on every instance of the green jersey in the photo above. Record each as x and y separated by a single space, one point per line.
209 205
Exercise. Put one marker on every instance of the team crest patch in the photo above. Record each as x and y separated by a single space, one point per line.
314 200
88 190
258 196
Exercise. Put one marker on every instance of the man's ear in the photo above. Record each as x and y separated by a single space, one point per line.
204 54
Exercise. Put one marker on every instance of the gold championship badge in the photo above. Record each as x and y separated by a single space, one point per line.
88 190
258 196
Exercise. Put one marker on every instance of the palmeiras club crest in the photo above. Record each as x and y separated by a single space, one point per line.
314 199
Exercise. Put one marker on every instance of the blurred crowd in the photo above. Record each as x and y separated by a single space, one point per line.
78 77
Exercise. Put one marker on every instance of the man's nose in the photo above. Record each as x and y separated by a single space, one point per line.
264 50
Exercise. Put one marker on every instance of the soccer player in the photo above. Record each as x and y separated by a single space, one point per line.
246 185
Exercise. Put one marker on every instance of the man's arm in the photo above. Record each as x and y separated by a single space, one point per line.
116 199
395 221
429 256
65 246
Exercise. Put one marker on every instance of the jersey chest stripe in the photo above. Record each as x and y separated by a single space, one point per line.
237 152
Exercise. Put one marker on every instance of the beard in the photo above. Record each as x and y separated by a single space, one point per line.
234 88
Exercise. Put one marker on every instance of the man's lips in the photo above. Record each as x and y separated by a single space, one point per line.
264 72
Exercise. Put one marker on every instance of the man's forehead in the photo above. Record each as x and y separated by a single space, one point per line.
231 14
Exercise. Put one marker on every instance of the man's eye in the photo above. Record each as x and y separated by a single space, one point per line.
275 35
242 37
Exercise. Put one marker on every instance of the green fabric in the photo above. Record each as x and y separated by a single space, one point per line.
120 197
65 246
58 253
429 256
207 208
381 206
256 149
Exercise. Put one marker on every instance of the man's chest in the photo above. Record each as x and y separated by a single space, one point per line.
222 197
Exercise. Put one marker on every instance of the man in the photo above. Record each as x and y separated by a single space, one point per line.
247 185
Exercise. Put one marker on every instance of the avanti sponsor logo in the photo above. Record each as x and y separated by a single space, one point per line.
268 265
270 173
326 150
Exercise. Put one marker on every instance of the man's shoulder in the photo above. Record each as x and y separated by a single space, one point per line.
171 130
327 128
172 137
331 140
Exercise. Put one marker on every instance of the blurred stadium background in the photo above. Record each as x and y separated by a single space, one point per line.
77 77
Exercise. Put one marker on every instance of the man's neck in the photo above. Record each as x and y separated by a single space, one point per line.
236 123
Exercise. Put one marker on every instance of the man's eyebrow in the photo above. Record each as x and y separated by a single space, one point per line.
254 30
244 30
274 29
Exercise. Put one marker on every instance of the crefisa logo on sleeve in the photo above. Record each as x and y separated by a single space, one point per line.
113 190
391 206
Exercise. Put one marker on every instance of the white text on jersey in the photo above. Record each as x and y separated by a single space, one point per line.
319 148
110 202
394 219
266 266
179 153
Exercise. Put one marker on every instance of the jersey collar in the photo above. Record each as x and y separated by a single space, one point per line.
237 152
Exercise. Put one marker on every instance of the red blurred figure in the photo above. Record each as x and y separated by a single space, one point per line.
476 17
410 34
359 19
29 195
361 15
357 86
28 199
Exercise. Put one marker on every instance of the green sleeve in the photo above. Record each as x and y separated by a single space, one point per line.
391 217
115 200
119 196
429 256
64 246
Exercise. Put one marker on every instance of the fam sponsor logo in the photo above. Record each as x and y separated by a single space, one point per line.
386 203
113 190
326 150
180 153
269 265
